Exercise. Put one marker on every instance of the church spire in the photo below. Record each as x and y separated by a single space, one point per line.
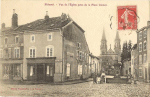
117 36
103 36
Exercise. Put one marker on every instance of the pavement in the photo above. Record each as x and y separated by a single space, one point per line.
78 89
43 82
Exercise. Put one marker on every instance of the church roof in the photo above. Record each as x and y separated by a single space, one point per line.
110 51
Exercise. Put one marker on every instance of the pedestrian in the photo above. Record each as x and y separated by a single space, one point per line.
94 78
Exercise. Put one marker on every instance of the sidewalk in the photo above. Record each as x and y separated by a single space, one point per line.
42 82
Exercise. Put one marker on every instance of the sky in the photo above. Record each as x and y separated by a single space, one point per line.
93 19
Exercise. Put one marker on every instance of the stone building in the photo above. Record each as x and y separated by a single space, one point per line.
49 49
110 59
143 48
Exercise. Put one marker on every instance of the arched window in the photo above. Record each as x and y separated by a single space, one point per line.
50 51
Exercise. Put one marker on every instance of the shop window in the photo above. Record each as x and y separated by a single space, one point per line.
79 69
47 70
51 71
6 71
68 70
17 70
32 70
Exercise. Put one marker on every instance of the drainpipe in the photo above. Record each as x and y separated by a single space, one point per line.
61 33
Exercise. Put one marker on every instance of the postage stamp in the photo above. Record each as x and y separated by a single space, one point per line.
127 17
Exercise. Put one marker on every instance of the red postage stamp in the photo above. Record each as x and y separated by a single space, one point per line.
127 17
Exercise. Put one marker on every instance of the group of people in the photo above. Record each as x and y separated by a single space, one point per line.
98 78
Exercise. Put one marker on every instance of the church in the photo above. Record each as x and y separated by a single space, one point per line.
111 59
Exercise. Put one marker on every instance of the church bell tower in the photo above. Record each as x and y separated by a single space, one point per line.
103 47
117 46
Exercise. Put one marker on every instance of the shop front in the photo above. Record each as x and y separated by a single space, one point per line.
41 69
11 69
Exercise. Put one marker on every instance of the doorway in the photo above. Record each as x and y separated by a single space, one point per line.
40 72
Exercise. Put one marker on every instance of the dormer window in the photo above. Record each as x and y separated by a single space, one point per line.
17 39
32 38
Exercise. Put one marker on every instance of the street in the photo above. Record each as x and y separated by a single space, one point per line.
86 89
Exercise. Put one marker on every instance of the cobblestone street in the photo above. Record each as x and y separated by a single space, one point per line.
78 90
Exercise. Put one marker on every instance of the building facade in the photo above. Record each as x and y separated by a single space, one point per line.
134 62
49 49
95 64
126 67
143 47
110 59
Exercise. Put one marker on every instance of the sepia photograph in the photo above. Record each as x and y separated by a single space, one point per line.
71 48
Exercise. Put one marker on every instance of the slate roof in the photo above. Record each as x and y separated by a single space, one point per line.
42 24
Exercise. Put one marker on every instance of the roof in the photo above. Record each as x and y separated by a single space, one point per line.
44 24
93 56
134 47
143 28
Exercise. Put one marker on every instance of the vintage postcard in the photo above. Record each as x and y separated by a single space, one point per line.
71 48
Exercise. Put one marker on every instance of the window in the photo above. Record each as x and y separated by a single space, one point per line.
68 70
79 45
144 58
49 37
51 71
32 70
32 52
145 33
79 69
6 40
140 47
17 52
6 70
145 45
17 39
32 38
140 35
9 52
17 71
77 53
1 53
140 72
49 51
140 59
80 55
85 56
47 70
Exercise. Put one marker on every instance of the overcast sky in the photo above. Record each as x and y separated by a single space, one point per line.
91 18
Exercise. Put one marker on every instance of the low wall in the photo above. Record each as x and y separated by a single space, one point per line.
116 80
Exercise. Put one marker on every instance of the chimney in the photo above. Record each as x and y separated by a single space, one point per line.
46 16
3 25
14 19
